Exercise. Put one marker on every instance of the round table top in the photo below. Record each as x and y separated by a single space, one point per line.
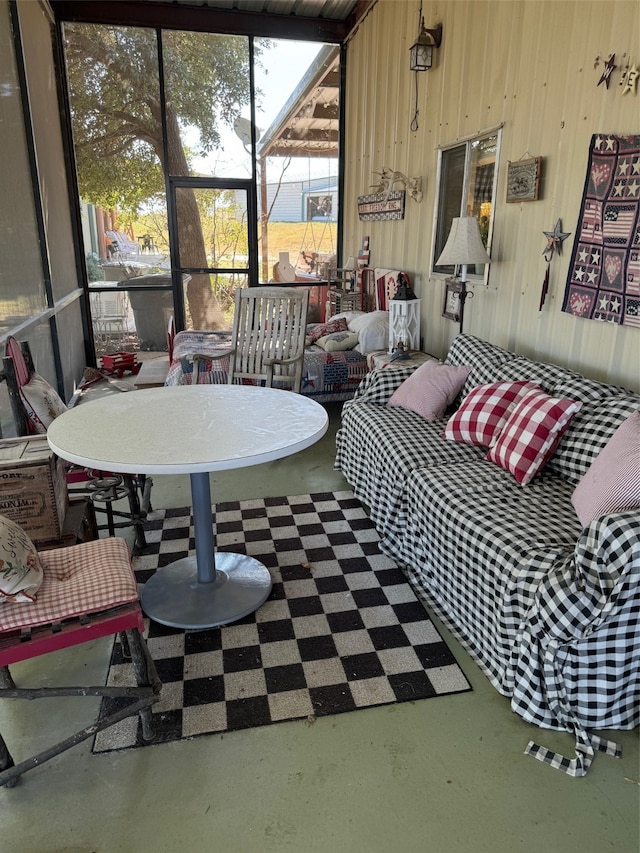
187 429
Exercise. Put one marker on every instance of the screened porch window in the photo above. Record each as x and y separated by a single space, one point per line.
466 188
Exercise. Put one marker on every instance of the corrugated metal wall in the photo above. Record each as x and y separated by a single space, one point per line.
528 66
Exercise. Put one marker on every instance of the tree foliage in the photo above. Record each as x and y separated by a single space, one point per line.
114 89
121 150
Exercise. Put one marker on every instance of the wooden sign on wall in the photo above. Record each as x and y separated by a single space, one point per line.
382 206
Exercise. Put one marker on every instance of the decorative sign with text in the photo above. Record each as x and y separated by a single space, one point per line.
382 205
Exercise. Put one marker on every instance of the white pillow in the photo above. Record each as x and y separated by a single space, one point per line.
42 403
338 341
20 568
372 329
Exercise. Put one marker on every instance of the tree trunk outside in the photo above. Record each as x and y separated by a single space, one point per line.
205 308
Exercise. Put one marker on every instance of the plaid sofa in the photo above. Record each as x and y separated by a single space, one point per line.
550 611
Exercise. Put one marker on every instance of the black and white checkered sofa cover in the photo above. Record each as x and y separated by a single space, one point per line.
550 612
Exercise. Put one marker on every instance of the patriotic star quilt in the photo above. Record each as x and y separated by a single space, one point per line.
603 282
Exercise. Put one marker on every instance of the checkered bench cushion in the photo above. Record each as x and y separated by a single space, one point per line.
483 581
379 446
378 385
555 380
483 357
80 579
588 433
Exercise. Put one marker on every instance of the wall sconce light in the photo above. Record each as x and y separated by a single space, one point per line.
421 53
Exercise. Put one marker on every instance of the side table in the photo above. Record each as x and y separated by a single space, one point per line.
380 358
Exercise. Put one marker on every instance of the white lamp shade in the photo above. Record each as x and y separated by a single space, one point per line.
464 244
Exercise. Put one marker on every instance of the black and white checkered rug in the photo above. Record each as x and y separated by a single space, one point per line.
342 629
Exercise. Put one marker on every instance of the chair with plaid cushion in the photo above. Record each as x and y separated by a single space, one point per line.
34 405
55 599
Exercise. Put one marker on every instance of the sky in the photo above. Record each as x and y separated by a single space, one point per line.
285 63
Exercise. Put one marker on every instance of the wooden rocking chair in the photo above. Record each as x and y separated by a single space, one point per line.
268 336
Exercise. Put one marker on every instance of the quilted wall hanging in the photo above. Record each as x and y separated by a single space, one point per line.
604 275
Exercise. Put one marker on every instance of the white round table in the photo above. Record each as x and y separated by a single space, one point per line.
193 430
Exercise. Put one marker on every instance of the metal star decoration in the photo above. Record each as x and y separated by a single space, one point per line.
555 239
609 67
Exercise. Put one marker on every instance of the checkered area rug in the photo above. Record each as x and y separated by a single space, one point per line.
341 630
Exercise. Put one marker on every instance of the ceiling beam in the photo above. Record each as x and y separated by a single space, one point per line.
200 19
309 135
302 151
328 112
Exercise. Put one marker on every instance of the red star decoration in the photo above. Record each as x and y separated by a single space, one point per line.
609 67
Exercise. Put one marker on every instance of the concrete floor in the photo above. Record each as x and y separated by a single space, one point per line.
445 775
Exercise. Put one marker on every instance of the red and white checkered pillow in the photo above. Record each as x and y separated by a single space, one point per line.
319 330
484 412
531 434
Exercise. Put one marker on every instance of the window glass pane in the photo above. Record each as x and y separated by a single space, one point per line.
466 189
131 314
213 233
22 293
481 169
452 163
207 94
297 110
114 95
212 228
224 286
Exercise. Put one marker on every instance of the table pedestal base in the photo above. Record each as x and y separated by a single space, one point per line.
173 595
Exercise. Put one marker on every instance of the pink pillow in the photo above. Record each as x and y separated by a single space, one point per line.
612 481
531 434
430 389
484 412
322 329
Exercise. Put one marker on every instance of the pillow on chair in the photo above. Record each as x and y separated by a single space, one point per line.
319 330
338 341
373 331
20 568
42 403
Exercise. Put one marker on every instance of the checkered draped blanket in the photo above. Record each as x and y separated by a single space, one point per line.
550 612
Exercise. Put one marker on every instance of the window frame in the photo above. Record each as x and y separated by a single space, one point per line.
466 143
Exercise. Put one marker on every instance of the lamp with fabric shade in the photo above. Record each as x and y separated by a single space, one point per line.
464 246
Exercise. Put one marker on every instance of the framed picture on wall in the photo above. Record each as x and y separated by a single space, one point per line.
452 290
523 179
